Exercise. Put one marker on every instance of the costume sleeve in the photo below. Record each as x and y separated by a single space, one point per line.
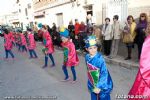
105 81
145 61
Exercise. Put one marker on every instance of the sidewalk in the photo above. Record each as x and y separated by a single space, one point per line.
119 60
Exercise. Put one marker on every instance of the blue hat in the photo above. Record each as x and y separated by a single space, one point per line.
64 32
40 25
90 41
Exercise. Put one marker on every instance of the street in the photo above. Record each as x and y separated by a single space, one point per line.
25 77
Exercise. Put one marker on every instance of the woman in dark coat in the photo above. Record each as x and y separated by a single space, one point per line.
141 32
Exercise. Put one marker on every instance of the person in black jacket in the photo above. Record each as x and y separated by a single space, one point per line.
141 32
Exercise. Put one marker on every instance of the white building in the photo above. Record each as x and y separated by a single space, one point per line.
25 13
62 11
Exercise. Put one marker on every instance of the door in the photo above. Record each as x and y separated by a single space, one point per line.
60 21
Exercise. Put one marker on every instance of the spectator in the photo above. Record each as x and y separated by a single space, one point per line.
76 41
107 34
141 32
129 35
71 30
116 35
82 35
54 28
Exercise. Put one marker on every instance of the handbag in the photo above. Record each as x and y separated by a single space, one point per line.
127 38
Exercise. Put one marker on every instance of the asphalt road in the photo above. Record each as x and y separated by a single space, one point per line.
24 77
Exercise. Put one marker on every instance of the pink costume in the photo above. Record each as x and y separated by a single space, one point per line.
32 43
8 42
70 55
141 86
47 41
11 36
23 40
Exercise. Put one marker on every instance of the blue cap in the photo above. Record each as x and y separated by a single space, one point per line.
40 25
90 41
64 32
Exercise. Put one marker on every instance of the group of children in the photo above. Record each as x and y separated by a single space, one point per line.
99 80
19 40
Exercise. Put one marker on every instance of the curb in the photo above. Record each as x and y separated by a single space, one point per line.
122 63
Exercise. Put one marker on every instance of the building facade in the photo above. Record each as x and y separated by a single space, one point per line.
63 11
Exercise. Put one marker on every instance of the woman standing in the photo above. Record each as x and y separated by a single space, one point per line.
107 33
141 34
129 35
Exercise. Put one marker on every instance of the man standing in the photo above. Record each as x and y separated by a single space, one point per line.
116 34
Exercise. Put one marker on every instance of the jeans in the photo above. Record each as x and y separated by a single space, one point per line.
64 68
19 47
32 52
24 48
46 59
9 52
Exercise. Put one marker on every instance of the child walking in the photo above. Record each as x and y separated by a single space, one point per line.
31 44
23 42
99 80
48 46
70 56
8 43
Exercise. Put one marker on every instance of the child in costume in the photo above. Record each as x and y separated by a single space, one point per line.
48 47
23 42
141 86
70 56
8 45
18 39
31 44
99 80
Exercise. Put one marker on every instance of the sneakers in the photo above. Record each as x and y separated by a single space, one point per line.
53 65
44 66
65 80
73 82
69 79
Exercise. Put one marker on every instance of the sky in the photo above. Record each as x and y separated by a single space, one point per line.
6 6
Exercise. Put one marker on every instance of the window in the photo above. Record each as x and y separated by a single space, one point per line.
29 5
20 10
